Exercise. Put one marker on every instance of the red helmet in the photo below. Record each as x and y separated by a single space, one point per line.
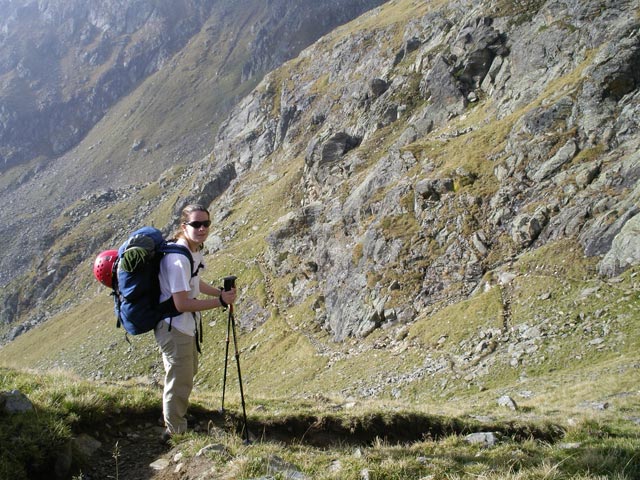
103 266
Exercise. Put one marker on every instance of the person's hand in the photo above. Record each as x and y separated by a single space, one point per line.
228 296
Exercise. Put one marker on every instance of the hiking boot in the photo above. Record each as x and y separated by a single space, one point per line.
165 437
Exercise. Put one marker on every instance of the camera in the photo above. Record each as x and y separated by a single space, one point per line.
229 283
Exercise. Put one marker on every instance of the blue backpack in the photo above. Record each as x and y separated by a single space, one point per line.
136 283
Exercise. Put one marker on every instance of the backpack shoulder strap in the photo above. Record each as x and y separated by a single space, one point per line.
171 247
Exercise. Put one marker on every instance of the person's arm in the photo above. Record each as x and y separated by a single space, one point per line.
208 289
185 304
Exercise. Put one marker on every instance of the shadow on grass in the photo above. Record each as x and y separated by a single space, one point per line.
393 428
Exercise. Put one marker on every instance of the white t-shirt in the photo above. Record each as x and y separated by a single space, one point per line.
175 277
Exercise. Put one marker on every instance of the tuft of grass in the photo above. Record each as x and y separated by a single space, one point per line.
32 442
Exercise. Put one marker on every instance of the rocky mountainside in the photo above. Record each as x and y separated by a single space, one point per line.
95 97
450 186
432 162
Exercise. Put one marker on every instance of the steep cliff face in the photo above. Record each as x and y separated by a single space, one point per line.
438 150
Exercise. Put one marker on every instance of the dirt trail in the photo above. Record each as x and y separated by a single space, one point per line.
128 445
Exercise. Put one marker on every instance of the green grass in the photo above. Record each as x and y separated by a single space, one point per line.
64 405
30 445
289 355
327 438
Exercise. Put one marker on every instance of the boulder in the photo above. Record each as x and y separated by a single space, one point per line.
14 402
625 249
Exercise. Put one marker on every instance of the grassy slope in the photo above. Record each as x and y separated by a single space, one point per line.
183 98
322 437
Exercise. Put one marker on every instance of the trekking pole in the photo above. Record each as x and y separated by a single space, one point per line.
226 358
235 344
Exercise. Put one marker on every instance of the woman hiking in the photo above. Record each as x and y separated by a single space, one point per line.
178 336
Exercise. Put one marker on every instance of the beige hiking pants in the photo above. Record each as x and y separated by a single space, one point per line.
180 358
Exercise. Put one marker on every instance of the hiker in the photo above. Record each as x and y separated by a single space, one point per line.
179 336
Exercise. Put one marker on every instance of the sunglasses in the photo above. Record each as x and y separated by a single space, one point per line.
197 224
